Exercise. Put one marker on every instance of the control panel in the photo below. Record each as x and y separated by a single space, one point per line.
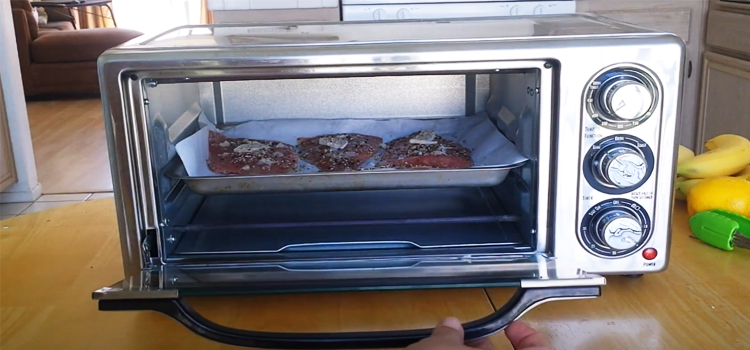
621 131
370 10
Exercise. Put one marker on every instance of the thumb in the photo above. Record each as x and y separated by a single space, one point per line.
450 331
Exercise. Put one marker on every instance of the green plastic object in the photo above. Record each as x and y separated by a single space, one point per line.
719 227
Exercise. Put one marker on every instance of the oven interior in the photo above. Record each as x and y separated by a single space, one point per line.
345 225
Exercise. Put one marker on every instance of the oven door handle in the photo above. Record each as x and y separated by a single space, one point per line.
522 301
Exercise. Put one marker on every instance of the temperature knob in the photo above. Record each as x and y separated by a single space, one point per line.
622 167
379 14
622 98
615 228
618 164
626 99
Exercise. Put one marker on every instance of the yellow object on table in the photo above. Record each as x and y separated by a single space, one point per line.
727 193
51 261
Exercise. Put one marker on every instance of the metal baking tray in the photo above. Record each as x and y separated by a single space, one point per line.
493 155
340 181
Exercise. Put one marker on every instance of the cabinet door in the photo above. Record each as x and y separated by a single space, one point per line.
684 18
725 103
7 165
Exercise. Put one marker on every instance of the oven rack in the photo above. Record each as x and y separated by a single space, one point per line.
359 220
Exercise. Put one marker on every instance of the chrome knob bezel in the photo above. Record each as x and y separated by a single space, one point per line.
593 239
602 88
595 162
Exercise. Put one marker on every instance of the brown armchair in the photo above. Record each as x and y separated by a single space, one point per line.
61 61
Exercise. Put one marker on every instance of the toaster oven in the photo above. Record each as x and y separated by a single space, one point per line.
533 153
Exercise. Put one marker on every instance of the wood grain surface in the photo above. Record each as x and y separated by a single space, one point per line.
69 145
702 301
51 262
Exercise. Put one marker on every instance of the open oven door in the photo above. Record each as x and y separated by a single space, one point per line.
534 275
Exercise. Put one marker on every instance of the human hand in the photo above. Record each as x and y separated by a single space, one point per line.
524 337
449 335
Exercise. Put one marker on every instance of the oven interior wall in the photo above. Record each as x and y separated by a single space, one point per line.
326 225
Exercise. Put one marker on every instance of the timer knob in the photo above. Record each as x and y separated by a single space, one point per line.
619 229
626 99
615 228
621 166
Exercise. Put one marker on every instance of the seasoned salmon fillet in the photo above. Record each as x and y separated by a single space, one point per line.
425 150
240 156
338 152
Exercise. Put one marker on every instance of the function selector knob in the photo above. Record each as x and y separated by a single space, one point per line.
615 228
622 99
618 164
515 10
622 166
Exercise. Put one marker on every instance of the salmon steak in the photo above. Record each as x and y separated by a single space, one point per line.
425 150
338 152
241 156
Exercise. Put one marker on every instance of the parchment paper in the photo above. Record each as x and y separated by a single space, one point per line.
490 149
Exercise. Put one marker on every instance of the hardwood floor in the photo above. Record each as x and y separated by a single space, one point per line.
69 145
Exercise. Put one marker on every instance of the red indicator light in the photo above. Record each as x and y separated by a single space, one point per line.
649 253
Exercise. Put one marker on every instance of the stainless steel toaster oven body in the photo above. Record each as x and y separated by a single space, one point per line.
591 106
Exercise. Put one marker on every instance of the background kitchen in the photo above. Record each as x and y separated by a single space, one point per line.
59 151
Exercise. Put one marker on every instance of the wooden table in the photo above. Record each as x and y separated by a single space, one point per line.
52 261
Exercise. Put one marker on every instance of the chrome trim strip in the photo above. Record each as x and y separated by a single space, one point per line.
119 291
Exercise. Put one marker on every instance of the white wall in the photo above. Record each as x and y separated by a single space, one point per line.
152 17
27 188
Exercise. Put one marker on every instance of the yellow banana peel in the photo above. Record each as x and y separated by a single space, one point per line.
727 155
686 185
744 173
684 153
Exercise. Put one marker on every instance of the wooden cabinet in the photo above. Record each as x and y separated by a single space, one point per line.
725 94
685 18
725 105
7 165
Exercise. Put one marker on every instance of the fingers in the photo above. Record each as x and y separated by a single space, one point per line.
522 336
484 344
450 331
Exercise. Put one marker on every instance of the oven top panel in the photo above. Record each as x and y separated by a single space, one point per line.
398 2
340 33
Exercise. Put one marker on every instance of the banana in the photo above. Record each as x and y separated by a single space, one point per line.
687 185
684 153
727 155
744 173
678 195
